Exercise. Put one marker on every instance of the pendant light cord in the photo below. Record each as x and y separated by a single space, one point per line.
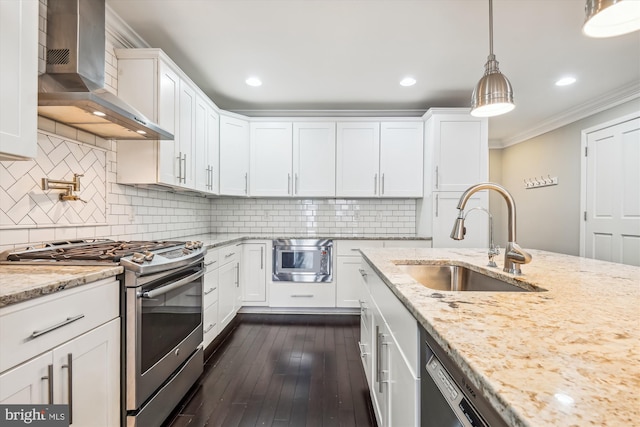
491 27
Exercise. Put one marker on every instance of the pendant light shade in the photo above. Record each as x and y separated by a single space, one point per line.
608 18
493 95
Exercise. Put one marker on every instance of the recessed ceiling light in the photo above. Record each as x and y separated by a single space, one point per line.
566 81
407 81
99 113
253 81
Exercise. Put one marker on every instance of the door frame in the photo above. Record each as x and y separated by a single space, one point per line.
583 171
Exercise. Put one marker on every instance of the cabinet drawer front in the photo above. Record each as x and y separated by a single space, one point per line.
211 259
210 288
303 295
229 253
350 247
33 327
210 324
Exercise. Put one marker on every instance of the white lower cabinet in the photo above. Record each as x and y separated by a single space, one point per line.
389 352
302 295
79 369
229 292
254 273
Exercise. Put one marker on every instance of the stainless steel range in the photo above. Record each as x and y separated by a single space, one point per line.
162 316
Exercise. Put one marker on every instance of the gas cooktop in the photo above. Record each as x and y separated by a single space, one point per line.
103 252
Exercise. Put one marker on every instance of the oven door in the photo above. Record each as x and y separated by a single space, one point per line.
164 328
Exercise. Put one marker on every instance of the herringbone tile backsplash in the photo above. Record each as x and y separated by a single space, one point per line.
23 202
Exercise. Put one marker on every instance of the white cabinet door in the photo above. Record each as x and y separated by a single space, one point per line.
28 383
401 153
403 389
460 150
254 273
349 288
358 159
168 119
445 213
271 155
314 159
234 156
186 138
206 146
380 385
18 79
229 291
87 376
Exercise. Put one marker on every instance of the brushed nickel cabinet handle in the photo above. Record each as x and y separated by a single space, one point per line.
375 184
210 327
49 378
68 320
69 367
261 258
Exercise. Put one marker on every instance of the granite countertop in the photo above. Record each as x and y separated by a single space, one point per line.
215 240
569 356
22 282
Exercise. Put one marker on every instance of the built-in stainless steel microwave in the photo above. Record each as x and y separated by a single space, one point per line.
302 260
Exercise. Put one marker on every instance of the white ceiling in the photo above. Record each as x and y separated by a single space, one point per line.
351 55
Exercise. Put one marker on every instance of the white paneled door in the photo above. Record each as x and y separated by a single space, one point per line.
612 218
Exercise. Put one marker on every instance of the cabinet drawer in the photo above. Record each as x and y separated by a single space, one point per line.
211 260
228 254
303 295
350 247
210 323
33 327
210 288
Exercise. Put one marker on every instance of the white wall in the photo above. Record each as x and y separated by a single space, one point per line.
549 218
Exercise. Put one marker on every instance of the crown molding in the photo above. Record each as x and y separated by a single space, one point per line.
589 108
122 32
329 113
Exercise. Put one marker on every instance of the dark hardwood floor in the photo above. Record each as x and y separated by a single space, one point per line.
282 370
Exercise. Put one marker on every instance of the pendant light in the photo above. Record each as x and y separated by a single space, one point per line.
493 95
608 18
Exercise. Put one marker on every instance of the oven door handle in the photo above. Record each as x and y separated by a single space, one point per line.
164 289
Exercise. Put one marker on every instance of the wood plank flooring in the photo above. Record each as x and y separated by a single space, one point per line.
282 370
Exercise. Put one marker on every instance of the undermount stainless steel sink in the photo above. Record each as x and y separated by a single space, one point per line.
458 278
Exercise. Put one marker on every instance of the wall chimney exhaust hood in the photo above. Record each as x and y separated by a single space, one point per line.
72 89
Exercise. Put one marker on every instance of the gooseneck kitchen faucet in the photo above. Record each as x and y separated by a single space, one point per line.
514 255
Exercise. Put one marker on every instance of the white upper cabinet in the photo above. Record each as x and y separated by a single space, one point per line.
459 143
314 159
207 144
357 159
401 151
185 142
234 156
379 159
271 154
153 84
18 79
292 159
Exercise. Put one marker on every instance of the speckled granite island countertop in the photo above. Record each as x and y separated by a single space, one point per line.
23 282
569 356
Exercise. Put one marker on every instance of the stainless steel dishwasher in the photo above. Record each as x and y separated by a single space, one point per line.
447 398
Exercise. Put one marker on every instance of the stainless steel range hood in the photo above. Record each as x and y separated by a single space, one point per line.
72 89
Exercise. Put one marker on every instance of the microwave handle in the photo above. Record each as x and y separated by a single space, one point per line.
164 289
